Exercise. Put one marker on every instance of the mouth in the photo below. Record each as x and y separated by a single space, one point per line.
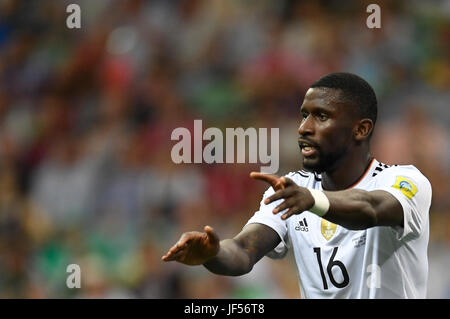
308 149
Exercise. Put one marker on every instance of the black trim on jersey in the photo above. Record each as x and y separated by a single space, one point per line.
380 167
306 174
301 174
317 177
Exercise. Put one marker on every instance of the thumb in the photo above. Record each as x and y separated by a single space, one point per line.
211 234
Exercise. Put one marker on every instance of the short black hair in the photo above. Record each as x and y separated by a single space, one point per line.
354 90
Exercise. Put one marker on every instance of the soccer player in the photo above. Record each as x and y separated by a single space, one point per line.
358 228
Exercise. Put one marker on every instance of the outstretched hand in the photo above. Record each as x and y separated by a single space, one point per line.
297 199
194 248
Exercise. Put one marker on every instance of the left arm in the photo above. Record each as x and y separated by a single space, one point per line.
353 209
357 209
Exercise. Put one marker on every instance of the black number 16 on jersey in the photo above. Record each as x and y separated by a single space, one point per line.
332 263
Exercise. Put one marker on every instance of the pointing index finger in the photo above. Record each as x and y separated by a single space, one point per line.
276 182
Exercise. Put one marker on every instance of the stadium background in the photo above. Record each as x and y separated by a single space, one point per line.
86 116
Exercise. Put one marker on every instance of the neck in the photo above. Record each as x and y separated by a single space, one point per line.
347 173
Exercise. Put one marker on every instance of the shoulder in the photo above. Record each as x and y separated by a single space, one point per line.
402 177
407 170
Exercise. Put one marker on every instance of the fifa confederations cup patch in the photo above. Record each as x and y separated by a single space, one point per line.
405 186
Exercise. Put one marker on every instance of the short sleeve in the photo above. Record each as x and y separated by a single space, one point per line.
265 216
413 191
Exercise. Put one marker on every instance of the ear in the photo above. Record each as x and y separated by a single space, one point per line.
362 129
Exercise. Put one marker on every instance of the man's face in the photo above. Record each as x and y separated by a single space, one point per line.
325 130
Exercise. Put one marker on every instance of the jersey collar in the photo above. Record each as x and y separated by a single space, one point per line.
366 176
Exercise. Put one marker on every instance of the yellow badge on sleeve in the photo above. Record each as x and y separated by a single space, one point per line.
405 186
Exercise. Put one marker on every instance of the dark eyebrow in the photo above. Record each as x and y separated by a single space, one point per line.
317 109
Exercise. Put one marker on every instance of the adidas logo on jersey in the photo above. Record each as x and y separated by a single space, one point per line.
302 225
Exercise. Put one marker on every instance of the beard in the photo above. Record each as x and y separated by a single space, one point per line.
324 161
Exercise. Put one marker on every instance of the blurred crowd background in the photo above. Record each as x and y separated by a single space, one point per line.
86 117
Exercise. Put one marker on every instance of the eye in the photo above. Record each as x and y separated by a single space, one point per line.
323 116
304 115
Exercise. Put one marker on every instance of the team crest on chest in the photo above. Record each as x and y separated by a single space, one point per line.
327 229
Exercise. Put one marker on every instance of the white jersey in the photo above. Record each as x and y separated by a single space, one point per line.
379 262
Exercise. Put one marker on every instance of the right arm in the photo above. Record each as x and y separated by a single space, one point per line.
230 257
237 256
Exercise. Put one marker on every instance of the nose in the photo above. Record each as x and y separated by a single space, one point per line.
306 126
